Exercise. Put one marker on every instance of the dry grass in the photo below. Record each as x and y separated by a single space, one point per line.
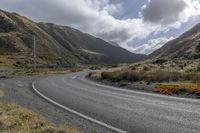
15 119
156 76
42 71
176 88
172 65
8 60
94 75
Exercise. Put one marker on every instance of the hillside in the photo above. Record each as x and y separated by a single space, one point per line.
88 48
55 44
16 39
185 46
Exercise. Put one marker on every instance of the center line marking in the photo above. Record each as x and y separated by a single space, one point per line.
74 77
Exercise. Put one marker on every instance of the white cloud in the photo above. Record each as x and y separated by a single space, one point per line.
91 16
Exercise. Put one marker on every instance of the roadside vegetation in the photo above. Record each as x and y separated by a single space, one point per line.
42 71
10 72
178 88
158 76
168 78
13 65
15 119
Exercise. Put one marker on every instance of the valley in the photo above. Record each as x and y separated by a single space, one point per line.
82 83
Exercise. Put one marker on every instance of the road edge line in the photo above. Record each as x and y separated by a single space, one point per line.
77 113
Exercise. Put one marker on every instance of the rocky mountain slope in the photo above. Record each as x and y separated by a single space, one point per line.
186 46
56 44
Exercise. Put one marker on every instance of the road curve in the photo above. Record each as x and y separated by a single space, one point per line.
120 110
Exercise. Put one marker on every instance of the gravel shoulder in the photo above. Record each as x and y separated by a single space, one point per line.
19 91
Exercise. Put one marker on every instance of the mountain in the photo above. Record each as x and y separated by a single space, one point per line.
186 46
56 44
88 48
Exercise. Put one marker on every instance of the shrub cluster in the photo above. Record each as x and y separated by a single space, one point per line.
150 76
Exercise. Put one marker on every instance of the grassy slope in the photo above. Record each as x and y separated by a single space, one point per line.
19 39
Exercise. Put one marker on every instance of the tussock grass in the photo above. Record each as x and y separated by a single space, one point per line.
168 82
15 119
94 75
157 76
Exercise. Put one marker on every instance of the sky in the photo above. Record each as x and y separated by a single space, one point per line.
140 26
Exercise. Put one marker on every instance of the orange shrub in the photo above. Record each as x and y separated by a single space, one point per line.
175 88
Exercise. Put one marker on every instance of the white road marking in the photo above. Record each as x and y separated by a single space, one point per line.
77 113
74 77
20 85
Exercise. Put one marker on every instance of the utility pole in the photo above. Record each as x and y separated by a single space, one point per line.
34 54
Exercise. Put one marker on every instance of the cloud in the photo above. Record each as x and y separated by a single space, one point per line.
91 16
96 17
163 11
169 12
150 46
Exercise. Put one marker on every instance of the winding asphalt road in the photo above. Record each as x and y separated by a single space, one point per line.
120 110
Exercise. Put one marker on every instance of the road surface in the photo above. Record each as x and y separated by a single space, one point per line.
120 110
